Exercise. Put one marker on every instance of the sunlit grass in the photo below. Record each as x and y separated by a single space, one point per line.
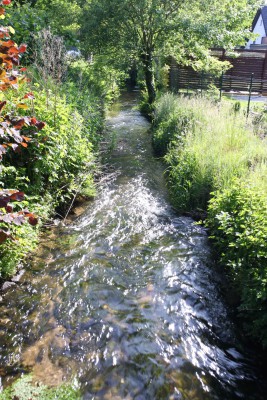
221 142
217 162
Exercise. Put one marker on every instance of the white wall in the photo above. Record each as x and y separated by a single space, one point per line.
259 28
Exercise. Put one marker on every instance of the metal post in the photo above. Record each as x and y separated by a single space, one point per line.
201 82
221 86
249 95
178 78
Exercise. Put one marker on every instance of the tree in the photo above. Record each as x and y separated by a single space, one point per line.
28 17
147 28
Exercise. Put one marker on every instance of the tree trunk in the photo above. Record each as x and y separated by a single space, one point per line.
147 61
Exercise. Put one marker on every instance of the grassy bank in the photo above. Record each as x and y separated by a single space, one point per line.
59 161
217 164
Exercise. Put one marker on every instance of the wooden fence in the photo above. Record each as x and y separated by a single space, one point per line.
248 72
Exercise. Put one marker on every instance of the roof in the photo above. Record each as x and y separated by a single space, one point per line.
263 12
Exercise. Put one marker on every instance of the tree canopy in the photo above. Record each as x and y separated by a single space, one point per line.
143 29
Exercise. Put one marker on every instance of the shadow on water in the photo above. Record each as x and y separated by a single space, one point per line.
124 298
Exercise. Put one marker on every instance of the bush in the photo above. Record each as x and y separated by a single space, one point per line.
60 157
25 389
172 122
57 164
237 219
97 78
189 185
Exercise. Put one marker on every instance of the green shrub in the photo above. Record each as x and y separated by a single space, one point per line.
61 160
58 164
172 122
237 219
189 185
25 389
102 80
145 107
13 251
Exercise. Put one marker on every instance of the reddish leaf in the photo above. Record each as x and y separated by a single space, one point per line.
3 202
9 43
18 196
26 138
40 125
9 208
23 69
18 124
3 236
24 144
2 11
29 96
22 48
14 60
4 87
13 51
33 121
4 32
33 220
2 104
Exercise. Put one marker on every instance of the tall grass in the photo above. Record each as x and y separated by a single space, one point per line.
207 146
217 162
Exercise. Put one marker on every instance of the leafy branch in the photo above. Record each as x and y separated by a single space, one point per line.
16 131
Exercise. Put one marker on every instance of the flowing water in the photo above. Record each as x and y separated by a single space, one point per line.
124 298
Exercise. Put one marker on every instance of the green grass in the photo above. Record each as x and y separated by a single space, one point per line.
217 162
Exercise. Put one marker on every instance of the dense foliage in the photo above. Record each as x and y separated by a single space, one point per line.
16 131
218 166
51 162
145 30
25 389
237 218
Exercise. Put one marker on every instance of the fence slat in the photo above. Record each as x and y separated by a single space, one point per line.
236 78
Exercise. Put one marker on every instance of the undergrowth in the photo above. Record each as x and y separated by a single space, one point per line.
60 161
217 163
25 389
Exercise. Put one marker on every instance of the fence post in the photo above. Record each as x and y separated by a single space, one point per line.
201 82
250 90
221 86
263 74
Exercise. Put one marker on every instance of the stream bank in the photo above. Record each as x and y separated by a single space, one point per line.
124 299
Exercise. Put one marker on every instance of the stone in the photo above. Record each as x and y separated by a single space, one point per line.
7 285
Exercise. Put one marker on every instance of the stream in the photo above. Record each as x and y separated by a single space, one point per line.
125 298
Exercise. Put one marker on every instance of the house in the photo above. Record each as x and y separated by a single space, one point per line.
259 26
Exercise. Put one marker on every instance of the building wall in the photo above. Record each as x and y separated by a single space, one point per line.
259 29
